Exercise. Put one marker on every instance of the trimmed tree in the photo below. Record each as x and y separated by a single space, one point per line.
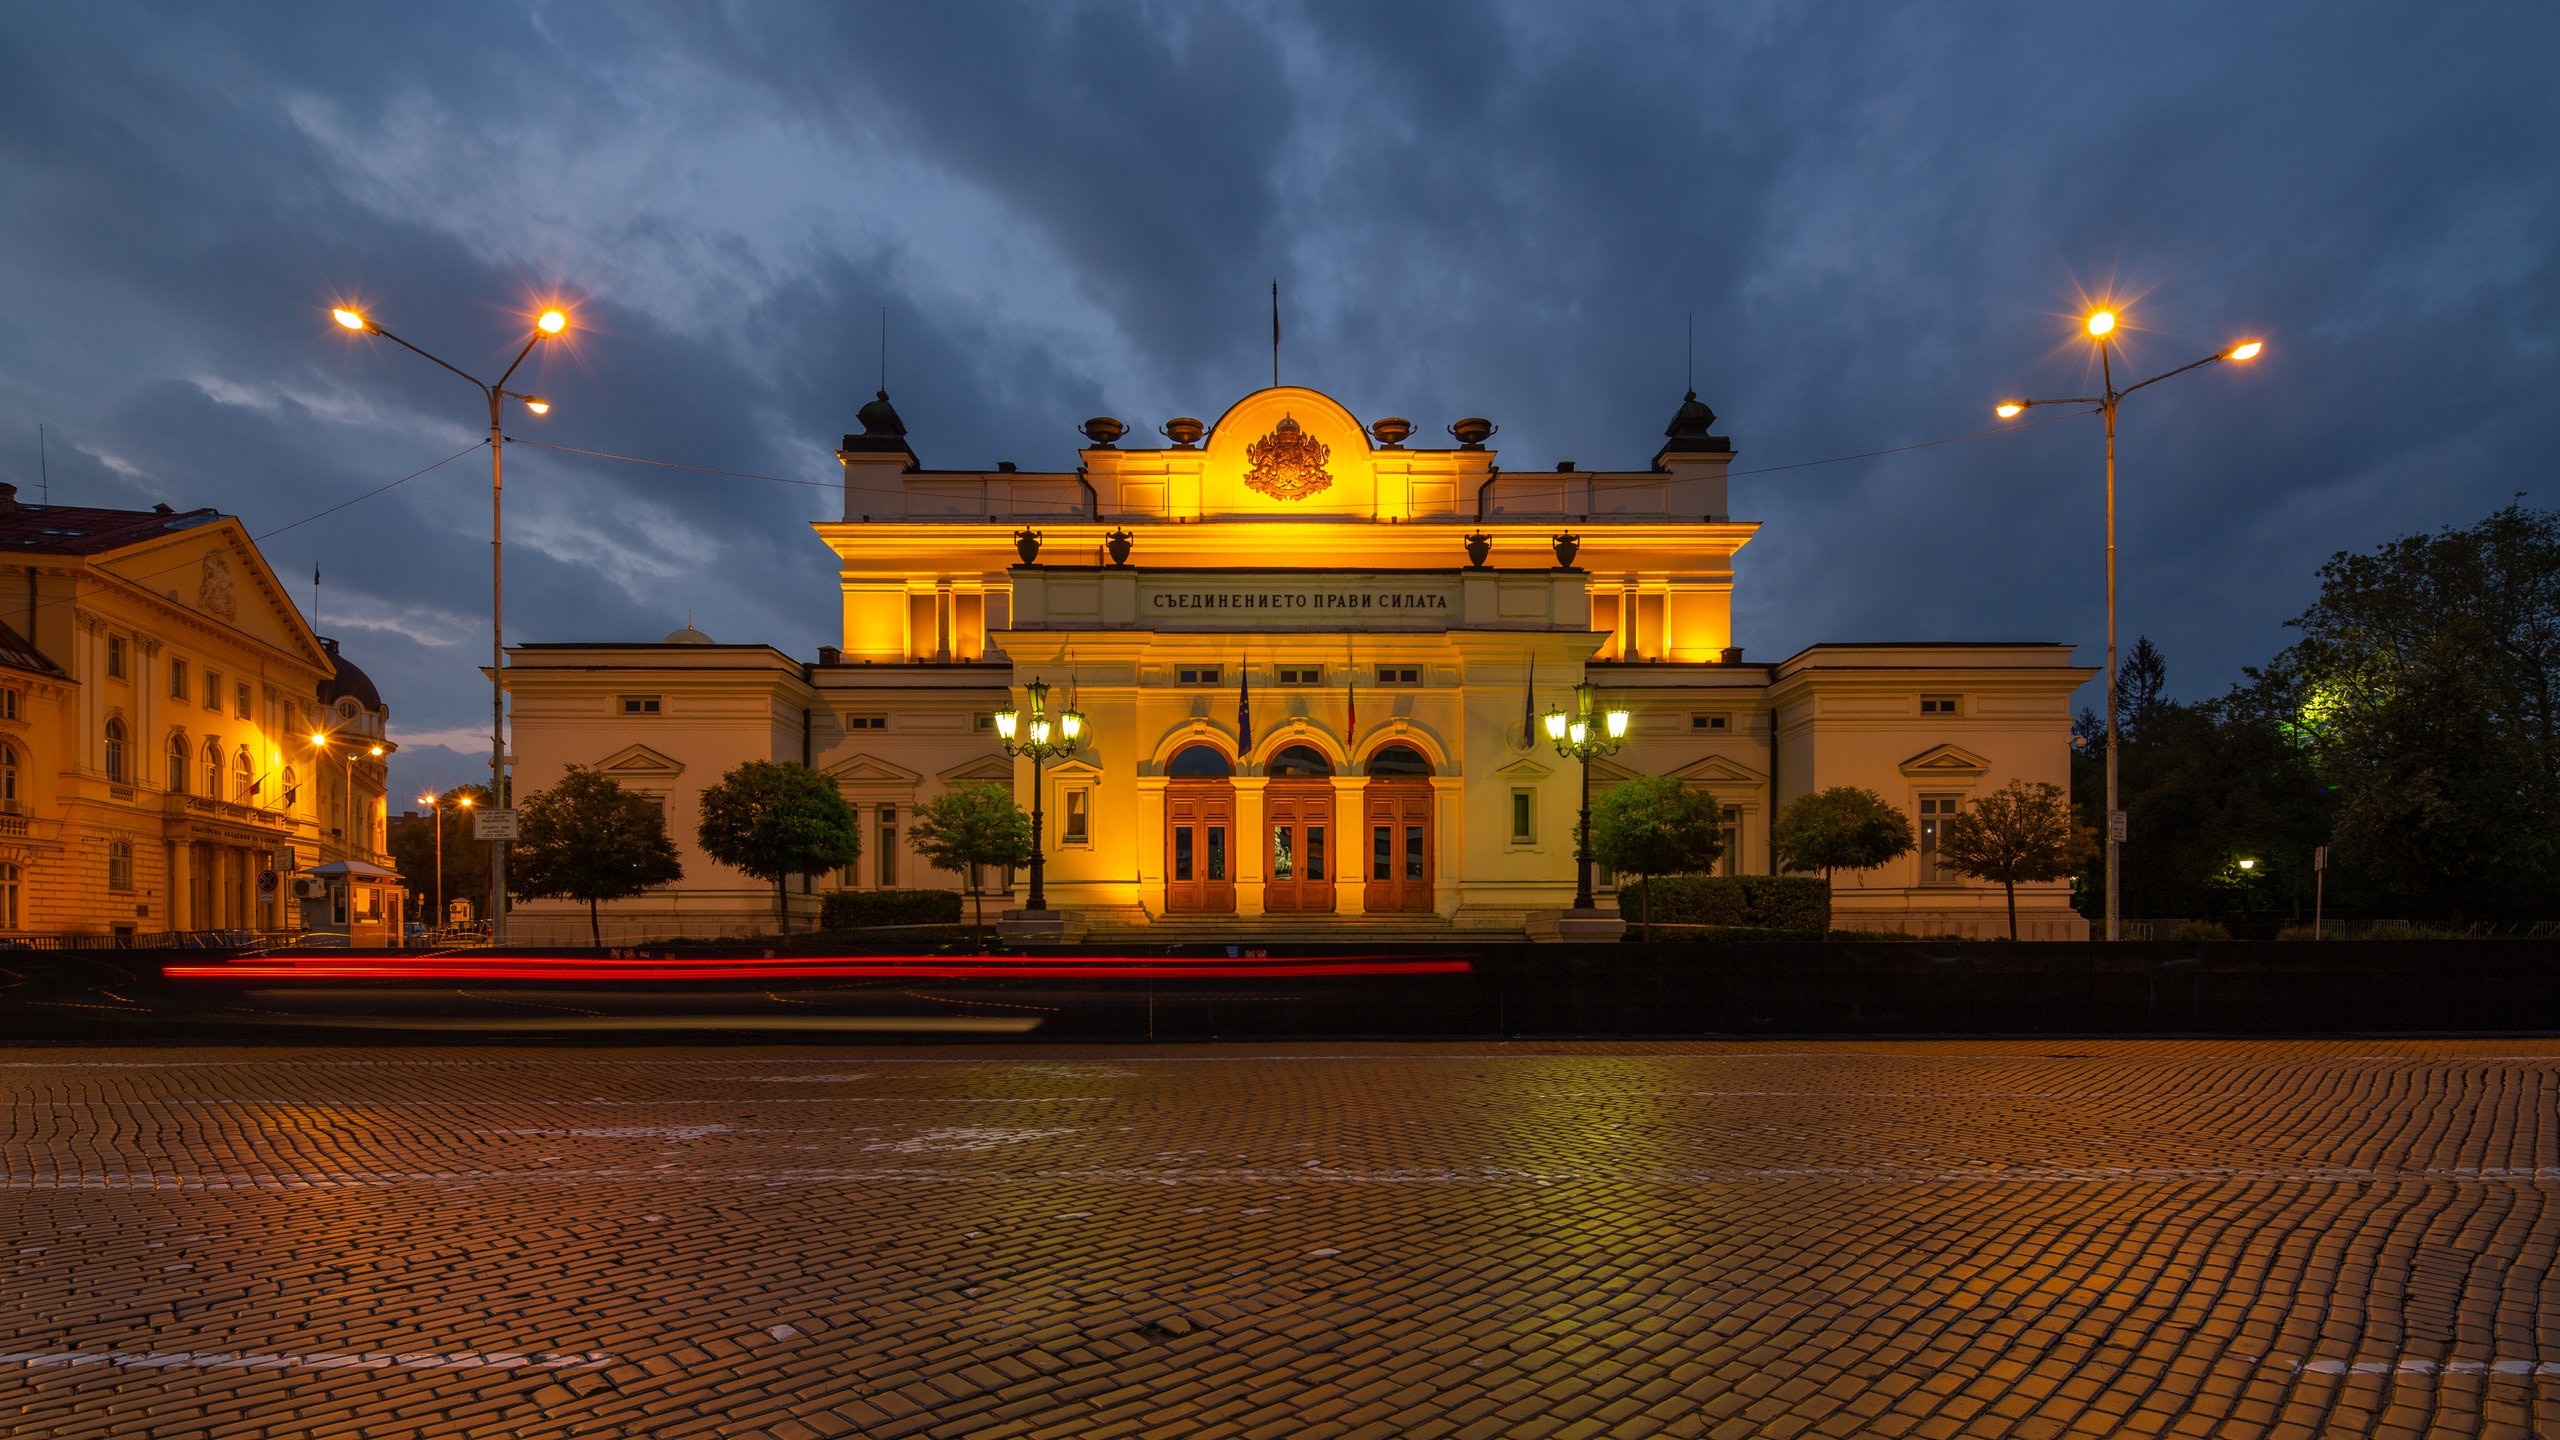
1656 826
2021 831
969 827
586 838
774 819
1842 828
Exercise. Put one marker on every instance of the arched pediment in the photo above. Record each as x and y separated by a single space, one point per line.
1316 458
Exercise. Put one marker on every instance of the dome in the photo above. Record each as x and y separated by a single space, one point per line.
688 636
1692 421
347 681
880 417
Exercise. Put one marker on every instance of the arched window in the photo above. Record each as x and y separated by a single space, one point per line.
180 757
292 792
212 767
10 878
1200 762
115 752
1398 761
8 779
1299 762
242 776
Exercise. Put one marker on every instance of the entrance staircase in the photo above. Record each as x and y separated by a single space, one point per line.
1136 927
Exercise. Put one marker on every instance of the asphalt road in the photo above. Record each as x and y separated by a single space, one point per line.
1959 1238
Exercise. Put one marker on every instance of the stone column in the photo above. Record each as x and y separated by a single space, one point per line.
1244 852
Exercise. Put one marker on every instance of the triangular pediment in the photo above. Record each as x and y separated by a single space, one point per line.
1610 772
215 571
1717 771
870 770
986 769
1074 770
1946 762
1525 771
639 762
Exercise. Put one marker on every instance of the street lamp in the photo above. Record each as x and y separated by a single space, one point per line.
1042 741
2101 326
1577 737
550 324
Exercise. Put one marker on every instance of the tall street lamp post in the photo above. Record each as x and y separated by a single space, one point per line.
2101 325
548 325
436 804
1038 738
1579 737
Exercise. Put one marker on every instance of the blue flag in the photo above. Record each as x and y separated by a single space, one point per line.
1244 712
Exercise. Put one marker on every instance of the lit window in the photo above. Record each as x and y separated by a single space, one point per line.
866 722
244 776
240 702
1198 675
639 704
1935 812
1301 674
1076 830
212 768
1937 704
1524 817
1711 724
1399 675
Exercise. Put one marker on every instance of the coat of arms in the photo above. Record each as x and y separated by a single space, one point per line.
1288 463
213 590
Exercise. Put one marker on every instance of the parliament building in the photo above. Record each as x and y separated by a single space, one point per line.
1309 652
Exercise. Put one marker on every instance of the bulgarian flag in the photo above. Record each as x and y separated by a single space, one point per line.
1244 711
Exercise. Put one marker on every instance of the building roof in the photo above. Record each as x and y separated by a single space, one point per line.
348 681
17 654
82 530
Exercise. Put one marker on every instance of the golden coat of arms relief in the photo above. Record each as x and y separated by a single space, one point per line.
1288 463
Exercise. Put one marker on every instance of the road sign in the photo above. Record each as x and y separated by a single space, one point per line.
493 825
266 882
2115 826
2320 858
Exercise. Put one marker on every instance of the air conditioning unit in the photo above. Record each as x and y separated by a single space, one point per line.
306 888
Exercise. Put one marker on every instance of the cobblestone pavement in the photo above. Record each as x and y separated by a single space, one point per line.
1967 1238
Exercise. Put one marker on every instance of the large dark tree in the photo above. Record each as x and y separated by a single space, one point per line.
586 838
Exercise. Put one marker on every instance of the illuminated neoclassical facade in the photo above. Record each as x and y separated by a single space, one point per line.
1387 615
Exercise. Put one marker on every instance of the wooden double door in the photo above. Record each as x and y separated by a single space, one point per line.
1401 854
1199 850
1301 847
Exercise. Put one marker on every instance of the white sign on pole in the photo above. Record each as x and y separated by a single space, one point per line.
2320 858
2115 826
493 825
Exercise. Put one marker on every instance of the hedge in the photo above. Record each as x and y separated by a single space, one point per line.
1756 902
862 909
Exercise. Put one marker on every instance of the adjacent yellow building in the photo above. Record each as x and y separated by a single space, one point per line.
1388 614
177 749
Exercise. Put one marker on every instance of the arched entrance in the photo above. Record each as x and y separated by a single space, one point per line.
1299 851
1199 824
1403 856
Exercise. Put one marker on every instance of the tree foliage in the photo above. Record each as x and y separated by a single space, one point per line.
586 838
969 828
1842 828
2021 831
466 860
1656 826
773 819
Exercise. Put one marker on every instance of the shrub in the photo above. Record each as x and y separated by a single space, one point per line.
862 909
2199 930
1799 903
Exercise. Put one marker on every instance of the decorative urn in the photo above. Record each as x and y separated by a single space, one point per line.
1026 542
1473 431
1479 546
1183 431
1118 544
1391 431
1568 545
1102 430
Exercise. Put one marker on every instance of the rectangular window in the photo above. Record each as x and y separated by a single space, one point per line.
1524 814
1731 863
1182 852
1711 724
639 704
115 656
213 689
984 722
1284 861
1399 675
120 865
240 702
888 847
1413 852
1076 830
1198 674
1935 812
1382 853
177 679
1937 704
337 904
8 704
1315 852
1301 674
866 722
1217 852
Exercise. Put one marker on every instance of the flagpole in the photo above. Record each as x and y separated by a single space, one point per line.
1275 334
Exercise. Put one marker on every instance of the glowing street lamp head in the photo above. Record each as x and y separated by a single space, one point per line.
1039 732
2248 864
319 739
2102 323
2245 350
2010 409
1555 724
551 322
464 802
1578 732
1071 723
1617 724
376 752
427 800
1006 720
537 406
352 319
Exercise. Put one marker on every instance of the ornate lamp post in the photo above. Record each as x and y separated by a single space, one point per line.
2101 325
550 324
1042 740
1579 737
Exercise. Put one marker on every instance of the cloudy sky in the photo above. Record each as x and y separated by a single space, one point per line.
1881 218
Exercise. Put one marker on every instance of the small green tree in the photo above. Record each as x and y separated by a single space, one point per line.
2021 831
466 858
1842 828
587 838
1656 826
968 827
774 819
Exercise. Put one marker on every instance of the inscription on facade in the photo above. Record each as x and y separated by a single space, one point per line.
1350 598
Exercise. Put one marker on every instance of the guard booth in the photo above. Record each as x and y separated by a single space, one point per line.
356 902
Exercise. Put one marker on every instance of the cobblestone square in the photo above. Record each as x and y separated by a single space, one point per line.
1785 1238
